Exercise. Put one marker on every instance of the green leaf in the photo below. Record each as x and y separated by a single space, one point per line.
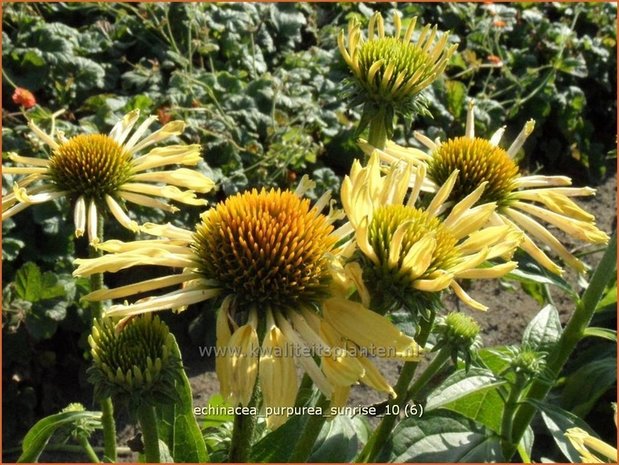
471 397
526 445
610 298
277 445
456 96
586 385
558 421
461 384
216 403
39 435
544 330
442 436
28 282
604 333
178 427
529 271
338 440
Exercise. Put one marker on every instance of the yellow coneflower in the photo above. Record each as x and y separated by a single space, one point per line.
390 72
97 172
521 200
409 253
268 255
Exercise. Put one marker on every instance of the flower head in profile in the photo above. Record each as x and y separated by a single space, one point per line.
391 71
98 172
523 202
268 255
408 253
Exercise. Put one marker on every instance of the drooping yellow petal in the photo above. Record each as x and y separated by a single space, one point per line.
242 363
278 379
223 335
467 299
352 320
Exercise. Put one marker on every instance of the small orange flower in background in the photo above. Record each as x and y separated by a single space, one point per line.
498 23
495 60
24 97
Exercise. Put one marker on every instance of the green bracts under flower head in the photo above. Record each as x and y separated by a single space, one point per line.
459 333
390 72
133 359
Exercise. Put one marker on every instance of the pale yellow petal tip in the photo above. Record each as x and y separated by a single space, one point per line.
79 232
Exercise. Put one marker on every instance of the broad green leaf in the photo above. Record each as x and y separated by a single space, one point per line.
178 427
441 436
37 438
529 271
558 421
338 440
603 333
544 330
586 385
28 282
461 384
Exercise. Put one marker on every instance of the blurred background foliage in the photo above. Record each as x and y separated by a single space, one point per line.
260 87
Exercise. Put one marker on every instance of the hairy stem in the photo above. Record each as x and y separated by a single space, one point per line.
150 437
243 432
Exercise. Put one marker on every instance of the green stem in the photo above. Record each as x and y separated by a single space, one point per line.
311 430
377 134
508 413
109 429
92 455
380 434
107 408
572 334
433 368
150 437
243 432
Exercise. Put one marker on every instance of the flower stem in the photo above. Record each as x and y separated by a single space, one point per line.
92 455
380 434
433 368
571 335
107 408
311 430
148 422
509 411
377 133
243 433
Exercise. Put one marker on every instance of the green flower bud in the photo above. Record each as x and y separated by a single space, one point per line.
133 360
459 333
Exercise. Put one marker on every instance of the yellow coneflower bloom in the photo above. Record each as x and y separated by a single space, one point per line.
97 172
412 253
390 72
521 200
591 449
268 255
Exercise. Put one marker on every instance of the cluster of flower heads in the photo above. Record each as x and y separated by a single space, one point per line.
291 287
